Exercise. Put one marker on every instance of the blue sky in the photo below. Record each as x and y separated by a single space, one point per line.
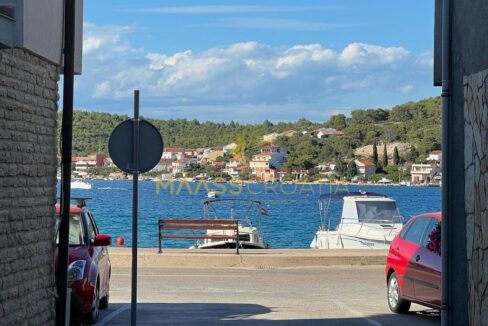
253 60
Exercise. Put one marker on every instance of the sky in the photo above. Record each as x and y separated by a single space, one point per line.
248 61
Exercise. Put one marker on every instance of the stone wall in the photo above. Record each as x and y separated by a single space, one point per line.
476 190
28 107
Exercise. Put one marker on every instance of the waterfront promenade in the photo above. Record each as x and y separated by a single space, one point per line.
347 291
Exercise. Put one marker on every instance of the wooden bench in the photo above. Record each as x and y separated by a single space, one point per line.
172 224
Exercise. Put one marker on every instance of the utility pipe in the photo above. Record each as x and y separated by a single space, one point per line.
446 152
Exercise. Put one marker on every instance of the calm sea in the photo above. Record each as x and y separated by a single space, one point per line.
293 209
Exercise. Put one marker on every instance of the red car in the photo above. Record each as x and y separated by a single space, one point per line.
89 266
413 265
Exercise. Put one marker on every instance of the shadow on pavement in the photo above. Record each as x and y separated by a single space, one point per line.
243 314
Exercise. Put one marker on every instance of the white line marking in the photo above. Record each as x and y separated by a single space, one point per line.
184 275
357 313
109 317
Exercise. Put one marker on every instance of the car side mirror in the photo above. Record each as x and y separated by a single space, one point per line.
102 240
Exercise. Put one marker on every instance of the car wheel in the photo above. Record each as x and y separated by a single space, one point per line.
395 301
104 302
94 313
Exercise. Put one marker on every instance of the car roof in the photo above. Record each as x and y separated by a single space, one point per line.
436 215
73 209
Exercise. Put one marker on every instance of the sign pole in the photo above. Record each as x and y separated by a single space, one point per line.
135 195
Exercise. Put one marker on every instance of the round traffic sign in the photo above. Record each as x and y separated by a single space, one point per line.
121 146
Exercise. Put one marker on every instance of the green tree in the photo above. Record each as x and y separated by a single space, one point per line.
396 156
337 122
352 169
385 156
375 154
340 168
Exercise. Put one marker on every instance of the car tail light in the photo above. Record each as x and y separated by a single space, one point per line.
76 270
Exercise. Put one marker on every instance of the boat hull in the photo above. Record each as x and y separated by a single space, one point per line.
230 245
337 240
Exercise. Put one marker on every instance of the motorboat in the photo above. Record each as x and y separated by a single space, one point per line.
249 215
368 221
80 184
212 194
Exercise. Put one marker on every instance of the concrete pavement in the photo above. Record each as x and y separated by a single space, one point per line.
257 258
338 295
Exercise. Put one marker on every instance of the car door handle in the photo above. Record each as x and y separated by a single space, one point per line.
417 258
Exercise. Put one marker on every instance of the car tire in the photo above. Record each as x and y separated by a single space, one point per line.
93 315
396 303
104 302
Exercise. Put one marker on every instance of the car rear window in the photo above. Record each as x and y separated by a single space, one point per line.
432 238
416 230
76 233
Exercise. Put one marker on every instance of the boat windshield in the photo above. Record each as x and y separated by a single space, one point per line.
378 212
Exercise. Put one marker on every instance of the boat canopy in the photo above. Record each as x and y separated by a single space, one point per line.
339 195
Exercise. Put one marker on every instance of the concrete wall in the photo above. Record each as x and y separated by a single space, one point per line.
28 107
38 27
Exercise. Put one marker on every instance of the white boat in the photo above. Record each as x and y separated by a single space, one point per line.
368 221
247 212
212 194
79 184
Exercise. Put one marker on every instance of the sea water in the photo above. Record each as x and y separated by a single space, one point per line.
293 210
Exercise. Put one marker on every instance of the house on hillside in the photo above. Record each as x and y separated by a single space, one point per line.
295 174
173 153
83 163
269 138
266 162
164 165
435 156
180 166
365 168
327 132
424 173
233 168
288 133
229 148
213 154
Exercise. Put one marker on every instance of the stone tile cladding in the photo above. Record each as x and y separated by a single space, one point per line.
28 113
476 190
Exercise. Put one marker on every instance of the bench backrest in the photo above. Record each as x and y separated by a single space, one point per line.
175 224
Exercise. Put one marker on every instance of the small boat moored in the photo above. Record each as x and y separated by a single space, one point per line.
368 221
249 215
79 184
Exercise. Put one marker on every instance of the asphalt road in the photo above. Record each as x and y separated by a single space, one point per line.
346 295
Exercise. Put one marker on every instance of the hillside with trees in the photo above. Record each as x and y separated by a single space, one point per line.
416 123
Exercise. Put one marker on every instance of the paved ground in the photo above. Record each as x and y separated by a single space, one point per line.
347 295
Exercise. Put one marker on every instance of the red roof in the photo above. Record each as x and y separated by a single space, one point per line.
174 150
436 152
366 162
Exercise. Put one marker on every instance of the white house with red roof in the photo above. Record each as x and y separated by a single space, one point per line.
327 132
173 153
365 168
435 156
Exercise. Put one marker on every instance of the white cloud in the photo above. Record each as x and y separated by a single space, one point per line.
243 75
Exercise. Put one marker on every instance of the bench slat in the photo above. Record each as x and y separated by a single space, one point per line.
173 221
197 236
197 227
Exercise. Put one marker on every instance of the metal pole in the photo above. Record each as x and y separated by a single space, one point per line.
135 195
446 153
66 152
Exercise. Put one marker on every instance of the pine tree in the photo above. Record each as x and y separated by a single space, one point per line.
396 156
385 156
375 154
340 168
352 170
